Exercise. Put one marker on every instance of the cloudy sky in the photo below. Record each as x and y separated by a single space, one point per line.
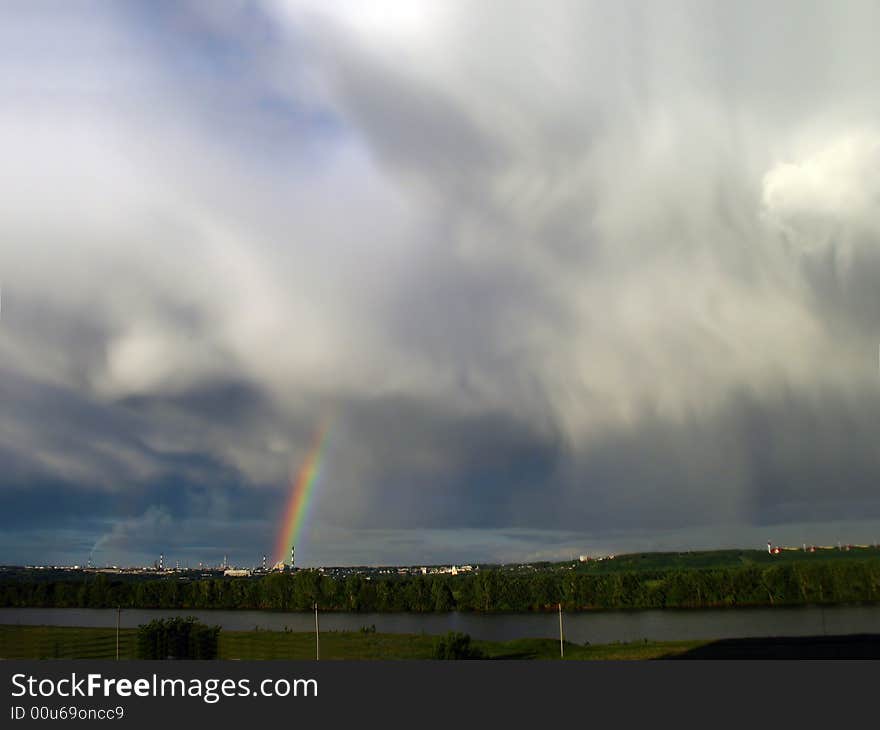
564 277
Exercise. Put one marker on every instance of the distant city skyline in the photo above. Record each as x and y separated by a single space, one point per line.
529 548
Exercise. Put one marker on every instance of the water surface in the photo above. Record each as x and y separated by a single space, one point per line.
601 627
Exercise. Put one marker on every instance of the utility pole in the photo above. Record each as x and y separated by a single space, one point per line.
317 635
118 611
561 645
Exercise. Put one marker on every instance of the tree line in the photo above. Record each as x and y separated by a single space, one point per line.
483 591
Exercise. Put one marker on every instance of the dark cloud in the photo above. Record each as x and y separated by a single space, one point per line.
590 277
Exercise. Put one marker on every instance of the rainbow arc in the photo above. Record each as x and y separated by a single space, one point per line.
301 491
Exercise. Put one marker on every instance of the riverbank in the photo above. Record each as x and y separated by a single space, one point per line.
65 642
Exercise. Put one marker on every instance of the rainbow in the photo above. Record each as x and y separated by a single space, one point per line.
301 489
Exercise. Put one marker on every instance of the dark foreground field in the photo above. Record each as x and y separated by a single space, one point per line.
60 642
854 646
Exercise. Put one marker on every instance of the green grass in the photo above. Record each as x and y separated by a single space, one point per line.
64 642
334 645
549 649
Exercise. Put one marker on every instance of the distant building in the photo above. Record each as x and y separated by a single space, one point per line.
237 572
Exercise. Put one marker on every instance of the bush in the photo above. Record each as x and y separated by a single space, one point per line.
177 638
456 645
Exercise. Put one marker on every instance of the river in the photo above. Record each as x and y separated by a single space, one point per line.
601 627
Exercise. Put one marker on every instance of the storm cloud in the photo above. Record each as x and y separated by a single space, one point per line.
564 277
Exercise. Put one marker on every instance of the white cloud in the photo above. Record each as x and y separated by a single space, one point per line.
828 193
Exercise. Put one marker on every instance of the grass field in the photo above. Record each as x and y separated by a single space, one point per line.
63 642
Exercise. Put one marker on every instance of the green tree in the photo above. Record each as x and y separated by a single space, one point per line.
441 596
177 638
456 645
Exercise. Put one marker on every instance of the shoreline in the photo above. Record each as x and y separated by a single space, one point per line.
70 642
468 611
